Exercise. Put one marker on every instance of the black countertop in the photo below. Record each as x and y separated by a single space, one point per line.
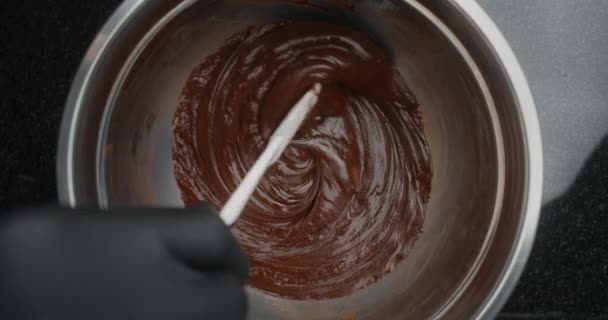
562 45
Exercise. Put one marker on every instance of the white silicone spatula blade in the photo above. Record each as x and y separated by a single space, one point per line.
277 143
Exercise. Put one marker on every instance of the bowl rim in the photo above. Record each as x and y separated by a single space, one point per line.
486 27
534 172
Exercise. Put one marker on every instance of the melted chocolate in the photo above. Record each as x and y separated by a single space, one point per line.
347 199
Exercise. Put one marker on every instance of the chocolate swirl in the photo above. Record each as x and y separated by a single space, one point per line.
347 199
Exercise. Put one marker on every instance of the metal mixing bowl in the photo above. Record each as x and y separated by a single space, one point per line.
479 117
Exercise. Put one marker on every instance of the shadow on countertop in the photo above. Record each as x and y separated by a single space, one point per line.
567 272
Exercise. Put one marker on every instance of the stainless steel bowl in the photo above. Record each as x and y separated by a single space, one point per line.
480 122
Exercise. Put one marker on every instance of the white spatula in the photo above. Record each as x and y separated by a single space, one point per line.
277 143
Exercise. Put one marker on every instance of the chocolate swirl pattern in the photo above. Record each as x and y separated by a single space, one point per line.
346 201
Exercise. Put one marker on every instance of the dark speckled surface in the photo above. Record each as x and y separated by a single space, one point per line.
567 275
42 43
